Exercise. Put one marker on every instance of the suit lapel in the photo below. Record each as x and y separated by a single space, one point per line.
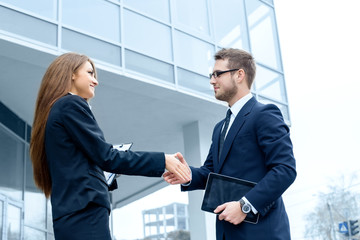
234 129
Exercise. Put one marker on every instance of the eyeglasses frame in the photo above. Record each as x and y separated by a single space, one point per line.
217 74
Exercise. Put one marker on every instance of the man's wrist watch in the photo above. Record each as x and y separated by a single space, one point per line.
245 207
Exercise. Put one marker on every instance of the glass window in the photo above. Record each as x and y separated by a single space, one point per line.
33 234
50 236
49 217
14 222
1 217
149 66
12 121
84 44
11 164
44 8
283 108
35 202
231 30
193 54
192 15
269 1
27 26
28 133
158 8
99 17
270 84
263 34
147 36
194 81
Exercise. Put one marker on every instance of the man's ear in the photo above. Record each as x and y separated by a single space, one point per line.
241 75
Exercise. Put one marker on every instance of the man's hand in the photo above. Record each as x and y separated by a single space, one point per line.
173 178
231 212
179 171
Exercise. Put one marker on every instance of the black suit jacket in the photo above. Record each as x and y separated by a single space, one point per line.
257 148
77 154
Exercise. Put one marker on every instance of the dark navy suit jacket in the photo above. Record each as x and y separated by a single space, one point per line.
257 148
77 154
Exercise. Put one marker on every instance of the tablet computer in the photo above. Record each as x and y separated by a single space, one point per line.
221 189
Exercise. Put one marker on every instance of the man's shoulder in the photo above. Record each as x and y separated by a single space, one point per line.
261 106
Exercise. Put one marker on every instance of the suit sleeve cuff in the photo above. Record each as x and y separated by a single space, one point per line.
252 207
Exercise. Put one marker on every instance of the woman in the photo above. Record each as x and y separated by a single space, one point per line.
69 152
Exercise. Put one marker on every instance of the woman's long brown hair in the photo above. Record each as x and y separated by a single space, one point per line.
55 84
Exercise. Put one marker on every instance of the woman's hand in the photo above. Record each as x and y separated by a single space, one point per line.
178 169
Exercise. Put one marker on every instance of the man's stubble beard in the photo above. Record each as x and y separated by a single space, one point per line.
228 95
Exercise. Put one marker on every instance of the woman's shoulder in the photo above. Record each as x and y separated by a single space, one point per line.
70 100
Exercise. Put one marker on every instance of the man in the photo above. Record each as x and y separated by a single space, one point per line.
257 148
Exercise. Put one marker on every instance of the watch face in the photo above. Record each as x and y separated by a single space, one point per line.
246 208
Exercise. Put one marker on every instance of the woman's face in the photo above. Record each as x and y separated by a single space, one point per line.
84 81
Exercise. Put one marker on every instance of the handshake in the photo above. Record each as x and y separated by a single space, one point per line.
178 169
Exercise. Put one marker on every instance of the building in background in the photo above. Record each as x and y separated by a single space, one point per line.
153 60
159 222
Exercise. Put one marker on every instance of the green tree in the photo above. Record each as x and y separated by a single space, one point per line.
179 235
338 204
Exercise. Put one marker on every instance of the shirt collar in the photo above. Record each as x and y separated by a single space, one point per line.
235 109
85 99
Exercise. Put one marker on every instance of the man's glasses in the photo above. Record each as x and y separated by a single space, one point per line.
217 74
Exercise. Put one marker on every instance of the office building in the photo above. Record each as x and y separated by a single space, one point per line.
159 222
153 60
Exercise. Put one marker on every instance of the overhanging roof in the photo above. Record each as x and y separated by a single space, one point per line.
128 108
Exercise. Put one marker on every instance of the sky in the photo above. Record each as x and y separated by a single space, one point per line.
320 52
320 48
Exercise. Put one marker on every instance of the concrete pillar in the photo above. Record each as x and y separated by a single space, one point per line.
197 141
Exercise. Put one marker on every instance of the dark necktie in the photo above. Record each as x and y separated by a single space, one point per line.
223 132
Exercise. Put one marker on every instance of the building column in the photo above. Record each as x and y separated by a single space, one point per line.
197 141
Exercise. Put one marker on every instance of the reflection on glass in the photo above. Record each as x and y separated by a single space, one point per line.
1 218
149 66
27 26
263 34
13 226
194 81
11 165
230 31
33 234
157 9
193 54
35 205
99 17
269 1
12 121
193 15
44 8
81 43
147 36
283 108
49 218
270 83
50 236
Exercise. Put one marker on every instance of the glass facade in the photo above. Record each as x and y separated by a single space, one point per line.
172 42
23 208
168 41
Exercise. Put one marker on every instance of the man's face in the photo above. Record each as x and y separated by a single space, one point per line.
224 84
